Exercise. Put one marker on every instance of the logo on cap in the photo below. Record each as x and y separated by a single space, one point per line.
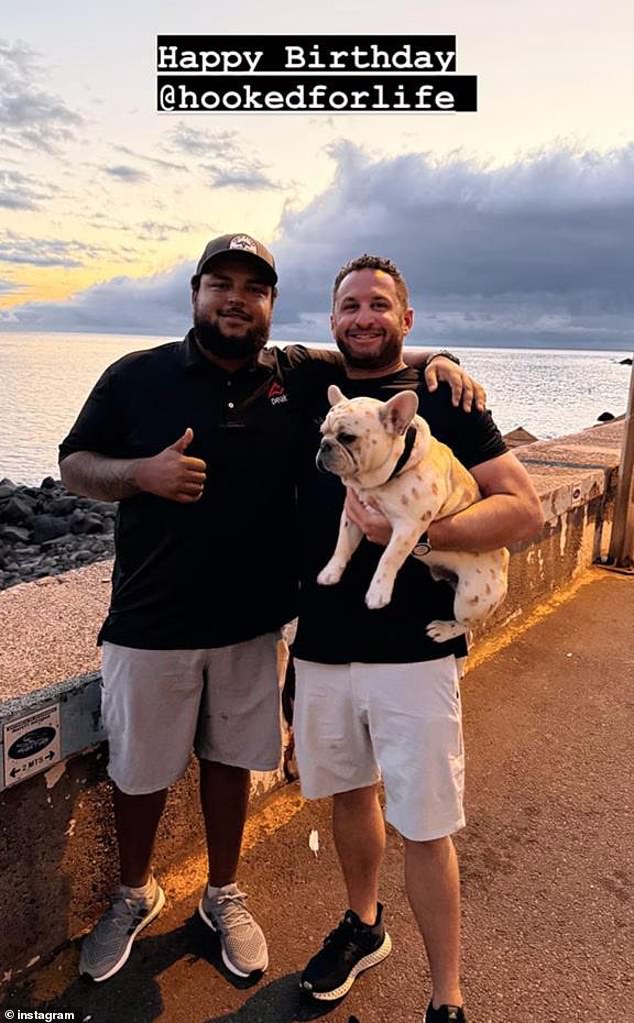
244 243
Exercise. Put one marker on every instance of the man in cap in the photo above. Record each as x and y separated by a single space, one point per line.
198 441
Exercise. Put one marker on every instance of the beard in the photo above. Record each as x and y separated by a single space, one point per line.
389 353
211 338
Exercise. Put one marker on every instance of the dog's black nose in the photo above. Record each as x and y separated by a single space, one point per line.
325 446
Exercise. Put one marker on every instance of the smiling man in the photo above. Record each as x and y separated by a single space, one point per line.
376 696
199 442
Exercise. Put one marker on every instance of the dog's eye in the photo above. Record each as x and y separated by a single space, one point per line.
346 438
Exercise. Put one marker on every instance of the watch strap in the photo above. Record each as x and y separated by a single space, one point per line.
444 354
423 546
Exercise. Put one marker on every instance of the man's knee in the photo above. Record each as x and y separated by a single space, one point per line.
356 799
434 848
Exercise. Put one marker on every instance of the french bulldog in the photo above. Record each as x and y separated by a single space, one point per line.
386 454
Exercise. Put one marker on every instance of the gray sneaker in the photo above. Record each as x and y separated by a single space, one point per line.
242 942
106 949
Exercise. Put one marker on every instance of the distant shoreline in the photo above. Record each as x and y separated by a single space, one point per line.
614 348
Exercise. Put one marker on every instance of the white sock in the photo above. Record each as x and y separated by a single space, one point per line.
143 893
212 892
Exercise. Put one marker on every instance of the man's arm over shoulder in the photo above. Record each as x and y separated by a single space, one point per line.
305 370
298 356
510 510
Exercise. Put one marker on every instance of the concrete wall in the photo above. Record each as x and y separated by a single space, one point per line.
57 853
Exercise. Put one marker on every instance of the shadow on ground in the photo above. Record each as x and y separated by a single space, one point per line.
135 995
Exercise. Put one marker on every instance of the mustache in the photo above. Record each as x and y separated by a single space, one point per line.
236 314
212 339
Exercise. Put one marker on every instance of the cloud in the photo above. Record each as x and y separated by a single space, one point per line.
11 288
250 178
234 165
16 249
535 252
152 305
155 231
21 192
145 230
30 118
540 248
155 160
194 142
129 175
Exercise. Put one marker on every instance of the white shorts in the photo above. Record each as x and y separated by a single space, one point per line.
158 705
356 722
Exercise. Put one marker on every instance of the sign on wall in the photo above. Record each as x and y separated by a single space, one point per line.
31 744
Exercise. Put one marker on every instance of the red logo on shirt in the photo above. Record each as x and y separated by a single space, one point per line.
276 393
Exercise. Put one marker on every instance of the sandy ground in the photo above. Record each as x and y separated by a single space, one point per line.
48 628
547 863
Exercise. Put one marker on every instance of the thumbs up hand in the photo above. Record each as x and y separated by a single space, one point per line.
173 474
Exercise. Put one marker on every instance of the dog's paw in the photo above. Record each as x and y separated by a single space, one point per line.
330 574
440 632
377 597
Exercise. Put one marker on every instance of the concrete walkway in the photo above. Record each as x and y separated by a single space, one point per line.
547 862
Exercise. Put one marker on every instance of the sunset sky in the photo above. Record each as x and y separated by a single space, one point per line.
512 223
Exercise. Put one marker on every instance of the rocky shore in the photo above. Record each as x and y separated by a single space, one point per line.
45 531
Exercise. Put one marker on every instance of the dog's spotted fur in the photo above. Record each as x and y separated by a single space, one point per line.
363 439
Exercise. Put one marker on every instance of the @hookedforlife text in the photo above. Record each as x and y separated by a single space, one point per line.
311 73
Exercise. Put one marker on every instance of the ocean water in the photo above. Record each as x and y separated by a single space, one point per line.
45 378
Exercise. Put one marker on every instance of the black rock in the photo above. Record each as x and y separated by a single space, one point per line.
33 492
18 510
58 541
82 556
94 524
14 534
67 531
625 362
104 508
62 505
605 417
47 527
79 521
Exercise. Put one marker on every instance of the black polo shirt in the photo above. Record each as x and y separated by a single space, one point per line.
224 569
335 626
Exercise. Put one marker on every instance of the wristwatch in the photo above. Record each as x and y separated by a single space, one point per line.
445 354
423 546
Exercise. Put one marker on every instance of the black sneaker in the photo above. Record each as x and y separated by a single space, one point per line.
446 1014
348 950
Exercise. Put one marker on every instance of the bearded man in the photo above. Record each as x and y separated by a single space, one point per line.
199 442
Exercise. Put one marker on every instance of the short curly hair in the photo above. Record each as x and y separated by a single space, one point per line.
367 262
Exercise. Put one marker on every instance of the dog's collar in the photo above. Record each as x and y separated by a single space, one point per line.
410 438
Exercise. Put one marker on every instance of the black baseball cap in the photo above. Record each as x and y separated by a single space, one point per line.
243 244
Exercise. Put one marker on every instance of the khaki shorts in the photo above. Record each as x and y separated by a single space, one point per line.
158 705
354 723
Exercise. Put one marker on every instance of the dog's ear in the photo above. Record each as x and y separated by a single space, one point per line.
398 412
335 395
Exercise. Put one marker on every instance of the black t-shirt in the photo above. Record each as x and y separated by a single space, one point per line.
335 626
223 569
